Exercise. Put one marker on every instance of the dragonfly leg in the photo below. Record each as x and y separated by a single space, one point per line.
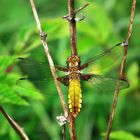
83 66
64 80
62 68
85 76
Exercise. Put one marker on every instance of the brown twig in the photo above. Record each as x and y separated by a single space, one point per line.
64 132
16 127
121 74
72 27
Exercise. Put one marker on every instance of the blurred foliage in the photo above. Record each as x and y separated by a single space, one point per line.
35 110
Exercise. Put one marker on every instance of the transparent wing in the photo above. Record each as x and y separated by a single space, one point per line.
36 70
37 73
105 60
107 84
99 90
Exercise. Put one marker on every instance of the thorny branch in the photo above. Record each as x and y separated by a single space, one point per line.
72 21
16 127
126 45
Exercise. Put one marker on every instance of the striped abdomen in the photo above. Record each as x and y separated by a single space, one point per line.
74 96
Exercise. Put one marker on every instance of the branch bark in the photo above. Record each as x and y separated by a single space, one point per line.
72 27
16 127
121 74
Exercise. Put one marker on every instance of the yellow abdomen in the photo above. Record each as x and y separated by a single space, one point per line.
74 96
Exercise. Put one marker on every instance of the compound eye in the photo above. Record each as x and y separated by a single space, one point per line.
77 59
69 59
70 64
76 63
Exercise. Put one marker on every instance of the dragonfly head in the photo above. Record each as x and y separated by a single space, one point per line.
73 61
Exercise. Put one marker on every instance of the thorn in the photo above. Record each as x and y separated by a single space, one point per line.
74 19
68 18
65 17
43 35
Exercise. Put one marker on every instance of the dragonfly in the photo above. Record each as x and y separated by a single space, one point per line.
74 75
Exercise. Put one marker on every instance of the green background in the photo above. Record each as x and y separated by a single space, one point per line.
35 110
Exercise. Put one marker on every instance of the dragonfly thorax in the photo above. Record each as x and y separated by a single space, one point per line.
73 75
73 67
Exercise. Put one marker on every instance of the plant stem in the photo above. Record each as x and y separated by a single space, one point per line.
16 127
72 27
64 132
72 24
121 74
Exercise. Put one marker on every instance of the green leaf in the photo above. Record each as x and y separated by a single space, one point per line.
32 94
29 38
56 28
9 96
5 62
98 25
11 81
122 135
10 22
133 72
133 126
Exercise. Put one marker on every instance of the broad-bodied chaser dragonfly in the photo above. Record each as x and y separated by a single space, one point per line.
73 77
